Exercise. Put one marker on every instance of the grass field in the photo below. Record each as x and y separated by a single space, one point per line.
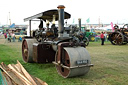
110 65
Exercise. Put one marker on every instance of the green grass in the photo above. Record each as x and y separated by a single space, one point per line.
110 65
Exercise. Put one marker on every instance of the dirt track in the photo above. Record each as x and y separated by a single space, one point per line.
15 44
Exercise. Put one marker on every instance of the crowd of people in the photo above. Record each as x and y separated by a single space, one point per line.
10 36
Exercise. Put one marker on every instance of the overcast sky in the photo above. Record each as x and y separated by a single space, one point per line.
108 10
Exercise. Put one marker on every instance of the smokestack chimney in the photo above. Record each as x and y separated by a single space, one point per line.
79 23
61 20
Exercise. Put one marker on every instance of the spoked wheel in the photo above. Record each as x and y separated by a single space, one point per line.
117 38
92 38
27 50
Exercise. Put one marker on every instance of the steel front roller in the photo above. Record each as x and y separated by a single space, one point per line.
27 50
72 61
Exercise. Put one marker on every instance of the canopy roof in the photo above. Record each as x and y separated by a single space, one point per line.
48 15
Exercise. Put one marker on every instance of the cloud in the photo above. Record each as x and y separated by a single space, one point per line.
108 10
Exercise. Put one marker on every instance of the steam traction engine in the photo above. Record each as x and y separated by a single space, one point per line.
62 46
120 36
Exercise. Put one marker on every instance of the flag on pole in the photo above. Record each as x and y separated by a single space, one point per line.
112 27
12 26
88 20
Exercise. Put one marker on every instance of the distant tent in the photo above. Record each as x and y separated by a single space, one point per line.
12 26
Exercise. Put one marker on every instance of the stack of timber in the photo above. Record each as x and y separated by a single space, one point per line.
15 74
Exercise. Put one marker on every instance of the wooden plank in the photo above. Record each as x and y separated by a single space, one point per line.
14 67
11 75
24 79
37 82
27 75
15 78
42 82
17 75
18 68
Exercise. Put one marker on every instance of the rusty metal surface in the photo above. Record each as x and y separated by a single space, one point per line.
43 53
62 71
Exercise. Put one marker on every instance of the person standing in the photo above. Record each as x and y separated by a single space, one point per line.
9 36
13 36
5 35
116 27
102 38
105 36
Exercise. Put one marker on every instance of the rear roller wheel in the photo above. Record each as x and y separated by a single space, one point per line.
27 50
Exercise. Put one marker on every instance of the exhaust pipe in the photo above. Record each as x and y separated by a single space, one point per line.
61 20
79 23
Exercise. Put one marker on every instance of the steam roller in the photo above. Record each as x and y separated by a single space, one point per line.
62 45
